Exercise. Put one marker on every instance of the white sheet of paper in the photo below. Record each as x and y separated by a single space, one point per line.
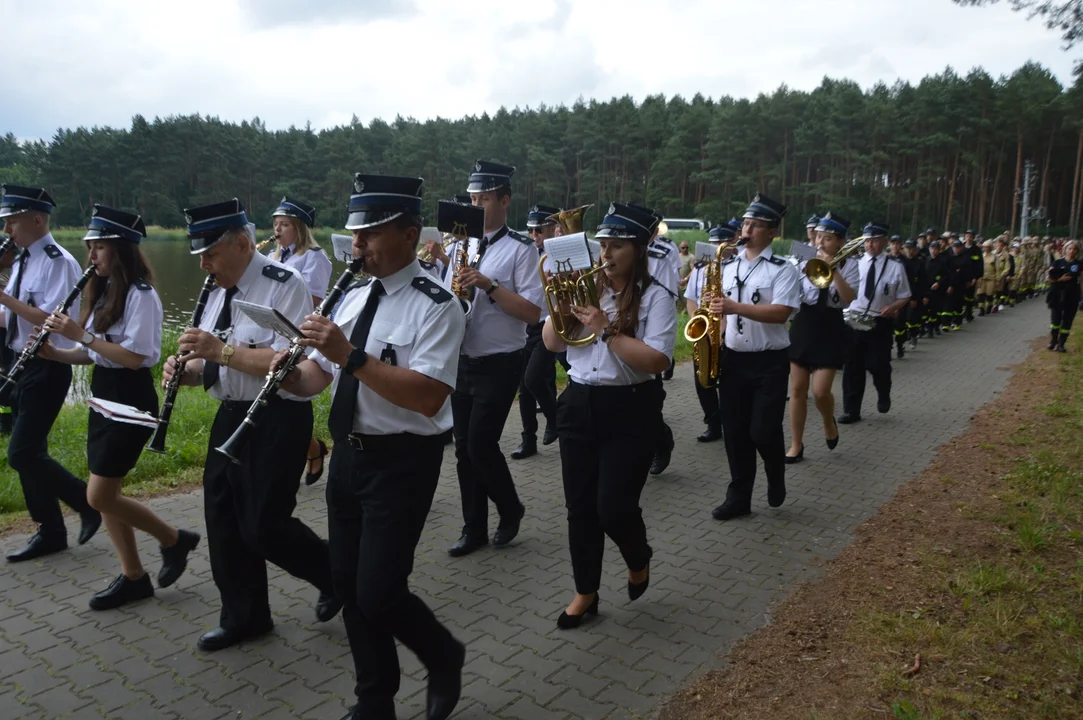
122 413
802 250
342 246
430 233
595 250
268 319
569 253
706 251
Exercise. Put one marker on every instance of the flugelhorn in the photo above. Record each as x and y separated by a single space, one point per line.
821 272
570 287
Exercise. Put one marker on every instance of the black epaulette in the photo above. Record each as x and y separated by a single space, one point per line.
700 263
775 260
358 284
659 284
730 259
520 237
317 248
53 251
437 293
276 272
426 264
656 253
892 257
142 284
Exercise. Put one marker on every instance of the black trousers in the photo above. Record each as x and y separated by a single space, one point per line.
970 298
378 499
604 459
36 401
954 311
484 392
538 388
1062 310
871 352
708 401
663 439
934 309
249 511
752 405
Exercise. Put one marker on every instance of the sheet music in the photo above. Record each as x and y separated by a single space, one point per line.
569 253
122 413
342 247
706 251
595 250
429 234
802 251
268 319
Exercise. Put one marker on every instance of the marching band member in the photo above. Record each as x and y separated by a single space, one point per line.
810 229
538 388
881 292
606 417
43 275
819 338
761 294
504 270
392 354
896 250
249 506
1065 276
120 333
298 249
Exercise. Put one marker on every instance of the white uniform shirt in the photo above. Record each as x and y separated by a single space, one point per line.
890 279
313 264
513 262
139 331
422 325
596 364
660 264
48 274
767 280
810 294
693 290
264 282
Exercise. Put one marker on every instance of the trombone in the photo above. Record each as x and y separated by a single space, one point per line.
821 272
570 287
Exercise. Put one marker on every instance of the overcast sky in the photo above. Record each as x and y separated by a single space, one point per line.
288 62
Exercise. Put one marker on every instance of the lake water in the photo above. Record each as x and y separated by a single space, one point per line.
177 275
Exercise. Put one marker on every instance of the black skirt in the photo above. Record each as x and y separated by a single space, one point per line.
819 338
112 447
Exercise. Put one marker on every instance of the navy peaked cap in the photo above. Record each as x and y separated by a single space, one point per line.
489 176
108 223
541 215
15 199
628 222
736 225
207 223
812 222
876 230
766 209
377 199
833 224
720 233
290 207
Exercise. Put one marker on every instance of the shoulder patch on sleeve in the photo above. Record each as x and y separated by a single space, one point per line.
142 285
276 272
437 293
316 248
358 283
53 251
729 260
775 260
656 253
427 265
520 237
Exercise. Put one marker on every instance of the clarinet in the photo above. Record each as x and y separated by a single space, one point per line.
232 447
31 350
157 441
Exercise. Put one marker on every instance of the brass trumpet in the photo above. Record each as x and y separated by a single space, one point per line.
704 329
570 287
424 254
821 272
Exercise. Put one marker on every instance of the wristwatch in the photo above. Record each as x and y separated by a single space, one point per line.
227 354
493 286
607 335
356 359
88 337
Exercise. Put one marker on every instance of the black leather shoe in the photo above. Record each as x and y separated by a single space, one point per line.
832 443
121 592
312 477
92 520
354 714
445 686
508 529
883 404
792 459
327 607
712 433
221 638
570 622
729 511
550 435
38 546
528 447
661 462
776 493
466 545
636 590
848 419
175 559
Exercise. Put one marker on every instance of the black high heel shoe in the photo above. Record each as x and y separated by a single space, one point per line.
831 443
791 459
570 622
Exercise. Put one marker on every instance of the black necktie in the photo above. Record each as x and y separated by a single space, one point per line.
210 369
340 419
283 255
20 268
870 282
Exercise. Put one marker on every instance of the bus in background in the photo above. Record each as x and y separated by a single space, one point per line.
684 224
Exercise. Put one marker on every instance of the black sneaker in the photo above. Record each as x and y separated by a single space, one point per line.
121 592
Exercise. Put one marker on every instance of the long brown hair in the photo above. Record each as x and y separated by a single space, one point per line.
107 297
628 303
305 239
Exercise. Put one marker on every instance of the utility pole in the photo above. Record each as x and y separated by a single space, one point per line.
1026 200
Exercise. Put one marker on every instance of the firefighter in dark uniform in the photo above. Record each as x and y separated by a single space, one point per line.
899 331
914 265
959 269
936 273
1065 276
977 268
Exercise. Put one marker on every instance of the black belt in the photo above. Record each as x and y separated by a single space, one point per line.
235 405
398 442
495 358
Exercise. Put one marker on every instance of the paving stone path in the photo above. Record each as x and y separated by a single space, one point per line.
711 583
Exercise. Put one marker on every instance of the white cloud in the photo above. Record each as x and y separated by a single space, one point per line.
101 63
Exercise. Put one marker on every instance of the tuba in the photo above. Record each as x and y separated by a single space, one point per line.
571 287
821 272
704 330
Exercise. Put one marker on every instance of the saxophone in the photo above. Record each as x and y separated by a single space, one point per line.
459 260
704 330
